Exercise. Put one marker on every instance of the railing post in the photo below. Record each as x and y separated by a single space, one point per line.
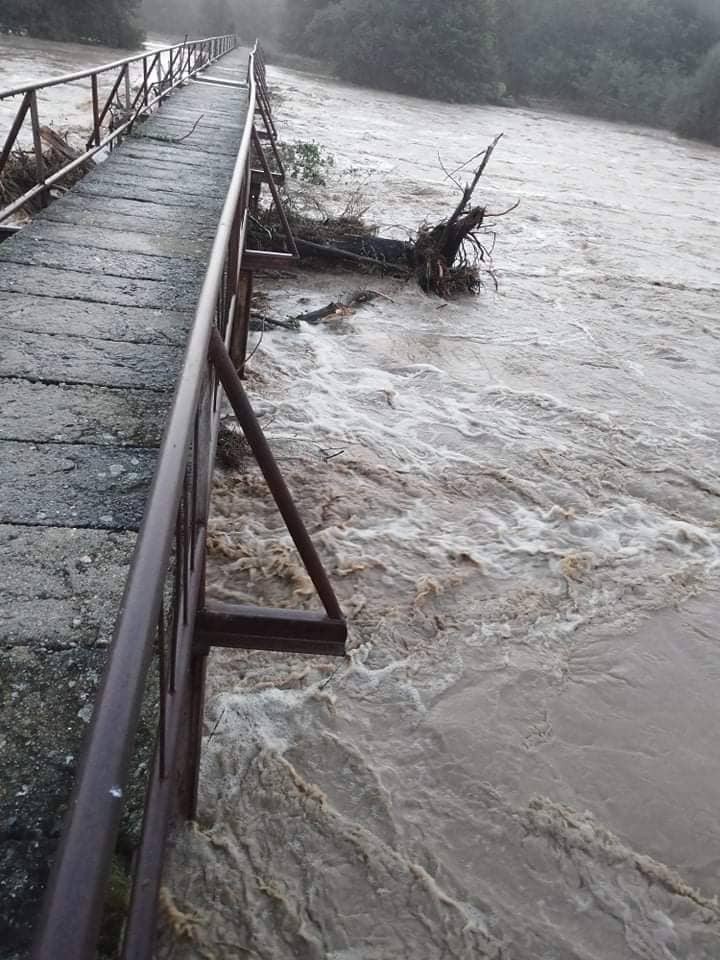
145 81
241 326
127 88
191 736
96 110
37 145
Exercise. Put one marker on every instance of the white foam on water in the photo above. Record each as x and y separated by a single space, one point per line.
516 497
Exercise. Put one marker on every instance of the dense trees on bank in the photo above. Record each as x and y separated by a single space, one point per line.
433 48
627 59
124 22
647 60
656 61
113 22
436 48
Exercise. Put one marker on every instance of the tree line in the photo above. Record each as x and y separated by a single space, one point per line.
655 61
202 18
116 23
123 23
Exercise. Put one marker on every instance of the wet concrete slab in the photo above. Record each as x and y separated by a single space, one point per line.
138 216
107 363
80 257
46 413
98 288
82 318
74 485
118 241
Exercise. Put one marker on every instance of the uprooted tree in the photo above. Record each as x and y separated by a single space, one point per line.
447 257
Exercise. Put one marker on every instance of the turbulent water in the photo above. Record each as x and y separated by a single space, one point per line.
517 498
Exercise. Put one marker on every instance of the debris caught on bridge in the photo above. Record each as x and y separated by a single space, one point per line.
20 172
446 258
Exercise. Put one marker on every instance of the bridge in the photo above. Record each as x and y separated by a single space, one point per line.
124 308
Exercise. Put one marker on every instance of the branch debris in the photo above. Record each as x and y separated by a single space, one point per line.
450 257
20 173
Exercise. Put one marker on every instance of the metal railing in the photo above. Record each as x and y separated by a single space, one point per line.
157 73
163 614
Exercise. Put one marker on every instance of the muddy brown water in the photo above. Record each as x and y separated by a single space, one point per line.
517 498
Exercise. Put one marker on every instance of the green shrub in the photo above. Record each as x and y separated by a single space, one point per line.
306 160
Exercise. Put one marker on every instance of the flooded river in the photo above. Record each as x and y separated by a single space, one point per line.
517 497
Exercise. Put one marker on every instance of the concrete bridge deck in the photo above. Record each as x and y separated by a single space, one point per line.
96 298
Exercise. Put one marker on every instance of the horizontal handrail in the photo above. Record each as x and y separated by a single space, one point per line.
104 68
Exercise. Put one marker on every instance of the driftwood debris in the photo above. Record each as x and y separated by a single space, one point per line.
454 255
367 250
20 173
58 149
337 309
333 310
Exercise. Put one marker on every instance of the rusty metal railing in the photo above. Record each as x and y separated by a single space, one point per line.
164 619
158 72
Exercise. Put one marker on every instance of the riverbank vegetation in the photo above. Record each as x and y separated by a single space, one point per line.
115 23
652 61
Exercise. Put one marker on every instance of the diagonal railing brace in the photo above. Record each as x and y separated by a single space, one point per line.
220 358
